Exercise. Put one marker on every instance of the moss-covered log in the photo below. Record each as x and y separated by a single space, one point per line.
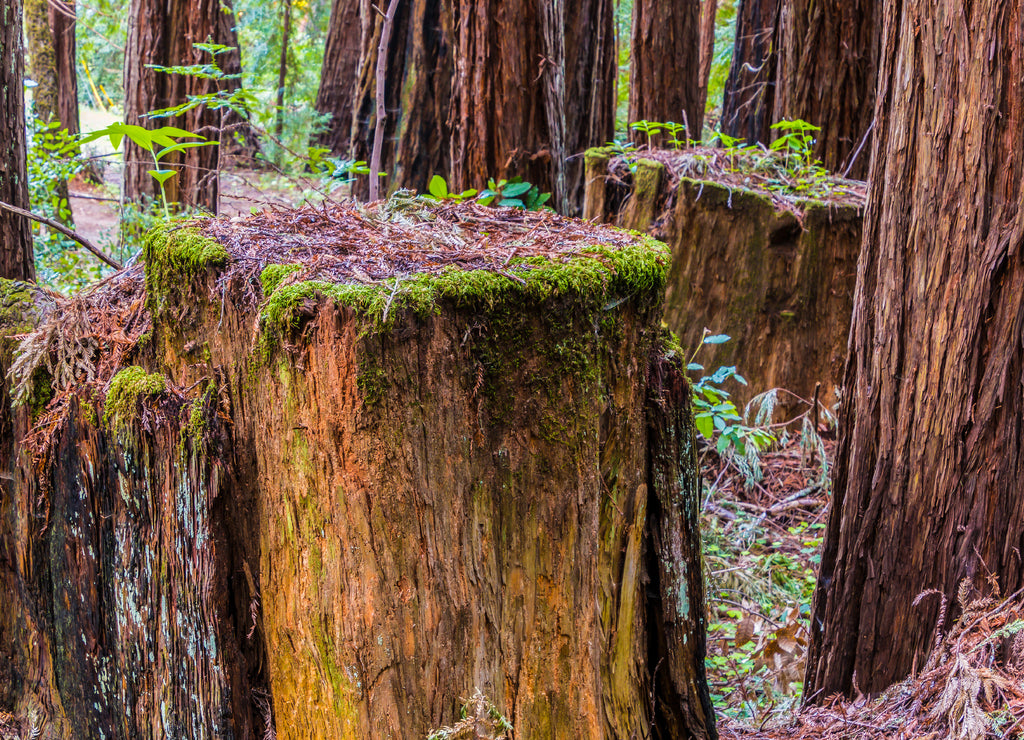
774 273
337 500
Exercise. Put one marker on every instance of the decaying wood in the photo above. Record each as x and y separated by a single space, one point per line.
927 480
331 518
772 270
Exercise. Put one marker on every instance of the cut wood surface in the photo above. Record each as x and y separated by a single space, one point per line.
331 472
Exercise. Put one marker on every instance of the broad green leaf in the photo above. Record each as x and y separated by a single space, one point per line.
705 426
438 187
511 202
162 176
515 189
181 145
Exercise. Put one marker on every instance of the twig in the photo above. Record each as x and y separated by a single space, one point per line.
382 114
57 226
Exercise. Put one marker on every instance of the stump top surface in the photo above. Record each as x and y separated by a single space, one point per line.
406 235
756 169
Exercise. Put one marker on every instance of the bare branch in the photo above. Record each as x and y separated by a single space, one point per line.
57 226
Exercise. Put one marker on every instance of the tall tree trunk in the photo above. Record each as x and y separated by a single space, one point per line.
664 73
338 76
282 69
15 234
417 85
42 64
826 74
62 29
163 33
590 78
927 480
708 15
749 97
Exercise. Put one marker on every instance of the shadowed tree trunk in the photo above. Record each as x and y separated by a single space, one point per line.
338 75
416 91
708 15
282 69
827 66
62 30
163 33
749 97
664 73
42 62
15 234
927 480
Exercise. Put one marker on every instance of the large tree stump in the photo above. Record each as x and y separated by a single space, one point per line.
332 472
775 275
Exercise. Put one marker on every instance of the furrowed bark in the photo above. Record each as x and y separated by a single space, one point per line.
927 491
664 73
16 260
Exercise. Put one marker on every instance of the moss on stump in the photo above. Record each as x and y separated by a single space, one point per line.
400 454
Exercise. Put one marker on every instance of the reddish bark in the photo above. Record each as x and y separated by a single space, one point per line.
16 260
664 74
927 481
336 96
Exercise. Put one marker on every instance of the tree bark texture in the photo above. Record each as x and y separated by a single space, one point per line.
827 67
62 29
927 479
510 89
708 15
16 259
664 72
163 33
42 62
346 535
338 76
417 88
749 98
779 283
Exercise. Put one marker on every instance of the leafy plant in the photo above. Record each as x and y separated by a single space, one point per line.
54 159
715 415
159 142
438 190
649 129
513 193
795 142
335 172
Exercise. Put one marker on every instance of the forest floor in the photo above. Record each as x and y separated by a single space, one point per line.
762 543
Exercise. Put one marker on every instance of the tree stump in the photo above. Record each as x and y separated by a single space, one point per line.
776 275
332 472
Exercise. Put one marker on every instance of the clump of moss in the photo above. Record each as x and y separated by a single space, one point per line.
594 275
272 276
17 307
175 254
125 390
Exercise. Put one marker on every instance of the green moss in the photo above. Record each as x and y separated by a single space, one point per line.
126 388
41 392
17 307
272 276
594 275
372 382
174 256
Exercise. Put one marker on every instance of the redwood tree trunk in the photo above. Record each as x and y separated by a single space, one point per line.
417 96
708 14
162 33
664 73
827 68
749 96
42 64
15 235
62 30
238 137
338 75
927 481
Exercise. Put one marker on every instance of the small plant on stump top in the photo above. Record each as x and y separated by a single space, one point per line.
438 190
